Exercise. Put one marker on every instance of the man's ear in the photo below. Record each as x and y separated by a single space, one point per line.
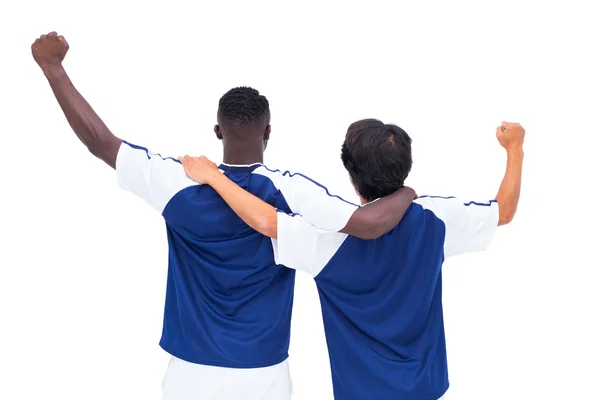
267 133
218 132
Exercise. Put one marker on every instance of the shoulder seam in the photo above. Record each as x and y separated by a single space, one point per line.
148 152
293 174
476 203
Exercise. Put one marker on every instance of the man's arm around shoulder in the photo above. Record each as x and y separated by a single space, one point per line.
332 213
379 217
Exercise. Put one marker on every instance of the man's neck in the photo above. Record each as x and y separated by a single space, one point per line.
243 153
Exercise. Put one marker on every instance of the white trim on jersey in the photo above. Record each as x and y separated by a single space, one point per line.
310 199
302 246
156 180
149 176
470 226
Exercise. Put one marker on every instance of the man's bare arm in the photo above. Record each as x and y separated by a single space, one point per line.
49 52
511 136
259 215
262 217
378 218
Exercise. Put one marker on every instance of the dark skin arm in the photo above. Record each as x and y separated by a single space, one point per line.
376 219
49 52
262 217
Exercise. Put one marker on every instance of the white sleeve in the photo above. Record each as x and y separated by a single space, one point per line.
311 200
469 226
149 176
302 246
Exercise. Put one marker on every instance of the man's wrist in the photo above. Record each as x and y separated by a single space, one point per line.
516 151
213 179
55 71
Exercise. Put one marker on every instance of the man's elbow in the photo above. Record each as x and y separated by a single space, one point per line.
105 153
506 218
95 150
267 226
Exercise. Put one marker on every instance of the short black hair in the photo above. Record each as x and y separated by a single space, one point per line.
377 156
241 106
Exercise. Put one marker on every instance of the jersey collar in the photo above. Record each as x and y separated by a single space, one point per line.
239 168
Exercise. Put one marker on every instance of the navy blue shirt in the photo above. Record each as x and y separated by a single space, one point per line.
382 299
228 303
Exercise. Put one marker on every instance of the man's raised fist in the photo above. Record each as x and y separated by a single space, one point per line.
49 50
510 135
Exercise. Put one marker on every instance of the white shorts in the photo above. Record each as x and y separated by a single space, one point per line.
187 381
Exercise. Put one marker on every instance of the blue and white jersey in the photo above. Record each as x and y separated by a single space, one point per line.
228 303
382 299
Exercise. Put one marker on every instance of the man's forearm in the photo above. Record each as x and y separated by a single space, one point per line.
84 121
368 222
259 215
378 218
510 188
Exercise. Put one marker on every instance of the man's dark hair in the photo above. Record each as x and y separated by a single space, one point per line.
241 106
377 156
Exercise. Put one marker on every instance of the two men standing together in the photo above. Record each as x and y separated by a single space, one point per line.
238 232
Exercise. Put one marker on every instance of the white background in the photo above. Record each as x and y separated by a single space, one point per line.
83 264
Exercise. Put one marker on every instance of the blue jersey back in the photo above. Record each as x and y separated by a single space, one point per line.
382 310
382 299
228 303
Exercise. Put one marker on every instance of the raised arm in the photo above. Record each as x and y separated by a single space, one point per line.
511 136
470 226
49 51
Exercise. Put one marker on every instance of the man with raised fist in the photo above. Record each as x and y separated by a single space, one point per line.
382 299
228 304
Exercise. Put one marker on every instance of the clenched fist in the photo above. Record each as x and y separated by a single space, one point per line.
49 51
510 135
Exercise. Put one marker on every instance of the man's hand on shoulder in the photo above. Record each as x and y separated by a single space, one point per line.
410 192
200 169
